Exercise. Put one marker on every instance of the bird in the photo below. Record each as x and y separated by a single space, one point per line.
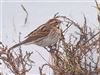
45 35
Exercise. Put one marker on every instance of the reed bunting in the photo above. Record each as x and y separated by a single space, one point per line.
45 35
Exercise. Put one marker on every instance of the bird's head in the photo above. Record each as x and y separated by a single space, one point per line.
54 22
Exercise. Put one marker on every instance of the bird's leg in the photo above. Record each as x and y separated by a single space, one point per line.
52 48
47 49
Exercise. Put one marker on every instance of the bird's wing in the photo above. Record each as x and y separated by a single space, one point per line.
35 31
39 33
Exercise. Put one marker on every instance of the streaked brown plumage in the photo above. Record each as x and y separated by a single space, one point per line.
45 35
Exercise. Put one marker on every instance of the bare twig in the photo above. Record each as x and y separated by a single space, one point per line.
26 14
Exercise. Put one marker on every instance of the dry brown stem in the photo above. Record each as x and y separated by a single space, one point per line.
17 62
76 58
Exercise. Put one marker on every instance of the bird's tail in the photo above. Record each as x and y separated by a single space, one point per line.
16 45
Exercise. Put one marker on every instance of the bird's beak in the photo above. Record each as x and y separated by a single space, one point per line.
59 23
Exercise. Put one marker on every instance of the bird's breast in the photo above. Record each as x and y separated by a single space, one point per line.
50 39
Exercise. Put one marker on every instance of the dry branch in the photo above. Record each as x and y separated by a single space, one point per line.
76 58
17 62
